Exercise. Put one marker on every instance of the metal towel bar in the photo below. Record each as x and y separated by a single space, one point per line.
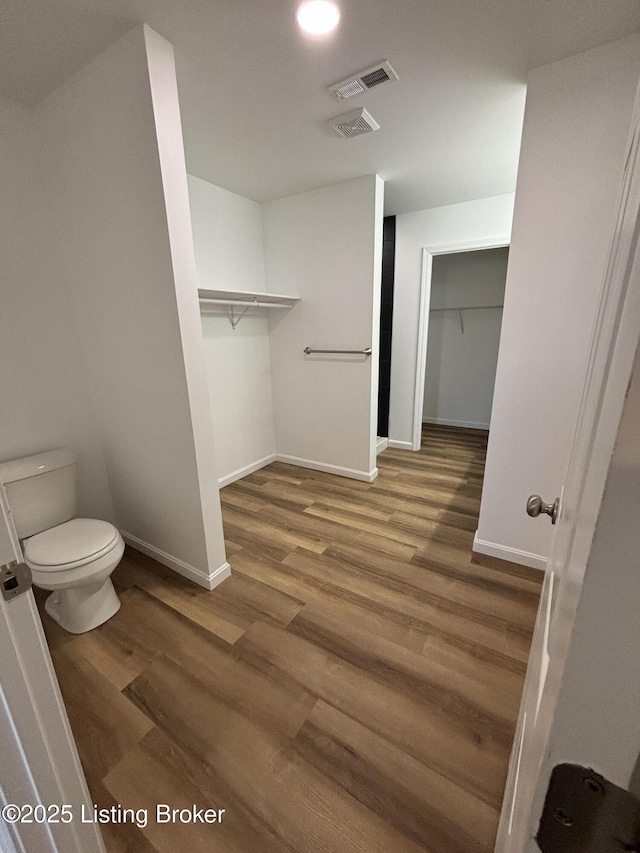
366 351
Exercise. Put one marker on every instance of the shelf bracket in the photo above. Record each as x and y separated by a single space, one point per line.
235 320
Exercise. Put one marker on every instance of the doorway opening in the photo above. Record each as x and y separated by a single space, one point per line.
386 328
461 300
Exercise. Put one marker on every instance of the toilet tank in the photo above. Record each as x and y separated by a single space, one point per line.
41 490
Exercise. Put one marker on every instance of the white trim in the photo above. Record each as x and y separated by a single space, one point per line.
15 766
352 473
248 469
449 422
38 750
513 555
210 581
428 254
218 575
401 445
8 842
498 242
381 445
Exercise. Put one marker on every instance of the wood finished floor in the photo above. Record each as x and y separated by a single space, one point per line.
354 686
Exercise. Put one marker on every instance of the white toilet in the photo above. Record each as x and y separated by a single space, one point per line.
73 557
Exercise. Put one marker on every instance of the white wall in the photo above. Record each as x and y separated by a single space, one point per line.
227 237
119 187
461 364
326 246
168 125
42 398
576 125
471 222
229 249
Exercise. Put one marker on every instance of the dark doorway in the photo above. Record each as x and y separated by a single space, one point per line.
386 323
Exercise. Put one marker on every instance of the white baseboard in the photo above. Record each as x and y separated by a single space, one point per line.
352 473
448 422
381 444
400 445
248 469
208 581
513 555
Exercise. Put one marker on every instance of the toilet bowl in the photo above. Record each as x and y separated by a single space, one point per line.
75 561
72 557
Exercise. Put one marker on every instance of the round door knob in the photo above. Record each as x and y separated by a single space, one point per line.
536 506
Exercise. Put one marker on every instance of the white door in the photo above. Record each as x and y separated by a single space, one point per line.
614 346
39 762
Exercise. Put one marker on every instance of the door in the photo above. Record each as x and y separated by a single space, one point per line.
38 757
614 345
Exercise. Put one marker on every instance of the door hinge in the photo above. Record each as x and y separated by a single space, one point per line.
585 813
15 578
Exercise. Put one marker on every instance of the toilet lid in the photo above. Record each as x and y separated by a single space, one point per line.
74 541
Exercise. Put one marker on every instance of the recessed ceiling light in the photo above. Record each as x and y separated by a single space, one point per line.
318 17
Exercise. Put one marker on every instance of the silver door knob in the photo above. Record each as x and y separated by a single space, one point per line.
535 506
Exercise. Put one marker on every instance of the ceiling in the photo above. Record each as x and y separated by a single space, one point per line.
253 89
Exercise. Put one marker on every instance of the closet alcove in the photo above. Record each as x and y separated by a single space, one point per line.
277 281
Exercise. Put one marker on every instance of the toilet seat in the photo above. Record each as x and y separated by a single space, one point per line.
70 545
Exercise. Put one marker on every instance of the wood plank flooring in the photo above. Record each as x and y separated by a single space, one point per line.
354 686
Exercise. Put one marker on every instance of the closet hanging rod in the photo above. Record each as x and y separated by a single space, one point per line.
366 351
465 307
250 303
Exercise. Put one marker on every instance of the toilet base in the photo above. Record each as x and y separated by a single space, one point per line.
83 608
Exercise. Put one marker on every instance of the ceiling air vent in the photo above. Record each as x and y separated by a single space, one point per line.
382 72
354 124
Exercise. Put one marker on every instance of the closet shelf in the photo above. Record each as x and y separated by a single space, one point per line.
465 307
461 308
243 299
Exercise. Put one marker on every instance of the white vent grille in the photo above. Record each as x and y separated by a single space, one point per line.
354 124
382 72
349 90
